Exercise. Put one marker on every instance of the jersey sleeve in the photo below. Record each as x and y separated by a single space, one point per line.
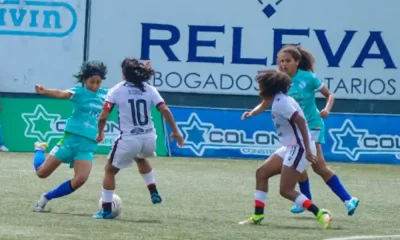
156 98
112 96
76 93
285 109
316 83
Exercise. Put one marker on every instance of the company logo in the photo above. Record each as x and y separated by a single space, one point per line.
201 136
269 10
37 18
354 142
46 127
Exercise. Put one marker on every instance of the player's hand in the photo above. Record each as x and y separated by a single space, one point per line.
147 64
178 137
246 115
324 113
100 137
39 89
310 157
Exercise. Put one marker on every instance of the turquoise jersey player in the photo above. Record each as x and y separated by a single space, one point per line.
299 64
78 145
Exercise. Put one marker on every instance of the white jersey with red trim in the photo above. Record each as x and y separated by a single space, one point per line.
284 109
134 107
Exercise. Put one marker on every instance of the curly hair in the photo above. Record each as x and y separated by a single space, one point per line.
136 72
90 68
272 82
305 57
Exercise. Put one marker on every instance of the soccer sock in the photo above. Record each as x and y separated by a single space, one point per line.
337 187
64 189
305 188
260 198
150 181
107 196
38 159
306 203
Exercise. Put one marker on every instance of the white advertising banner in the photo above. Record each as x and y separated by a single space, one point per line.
216 47
40 42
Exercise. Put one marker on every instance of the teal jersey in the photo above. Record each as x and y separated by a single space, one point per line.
87 108
304 86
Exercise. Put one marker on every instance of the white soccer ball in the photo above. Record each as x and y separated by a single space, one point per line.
116 205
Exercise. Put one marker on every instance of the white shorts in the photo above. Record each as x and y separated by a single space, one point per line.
295 156
126 148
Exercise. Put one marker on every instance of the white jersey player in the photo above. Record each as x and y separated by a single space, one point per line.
296 154
134 98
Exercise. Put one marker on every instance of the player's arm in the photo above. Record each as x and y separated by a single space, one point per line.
257 110
53 92
166 113
330 98
107 109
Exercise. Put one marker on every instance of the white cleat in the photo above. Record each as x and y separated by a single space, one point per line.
41 204
40 146
3 149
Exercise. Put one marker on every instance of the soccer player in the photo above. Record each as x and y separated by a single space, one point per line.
137 141
297 153
78 144
298 63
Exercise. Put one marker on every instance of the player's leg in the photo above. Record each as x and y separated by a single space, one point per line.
304 186
145 168
293 165
121 156
271 167
333 181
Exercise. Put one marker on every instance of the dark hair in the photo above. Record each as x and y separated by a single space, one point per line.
272 82
136 72
305 58
91 68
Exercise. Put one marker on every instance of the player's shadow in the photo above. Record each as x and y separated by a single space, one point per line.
287 227
87 215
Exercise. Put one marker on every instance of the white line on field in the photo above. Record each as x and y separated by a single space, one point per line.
364 237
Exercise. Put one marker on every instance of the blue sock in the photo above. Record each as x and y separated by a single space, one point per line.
38 159
337 187
64 189
305 188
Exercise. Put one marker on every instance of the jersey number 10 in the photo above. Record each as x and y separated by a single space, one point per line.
137 107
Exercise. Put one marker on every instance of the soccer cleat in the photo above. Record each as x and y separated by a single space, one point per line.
352 205
103 215
3 149
156 198
297 209
254 220
324 218
41 204
41 146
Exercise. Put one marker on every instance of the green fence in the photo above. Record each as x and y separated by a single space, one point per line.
27 120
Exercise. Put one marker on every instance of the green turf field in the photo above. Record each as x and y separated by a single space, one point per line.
203 199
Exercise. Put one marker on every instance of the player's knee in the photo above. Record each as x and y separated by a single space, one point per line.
79 180
110 169
261 174
323 171
42 174
140 160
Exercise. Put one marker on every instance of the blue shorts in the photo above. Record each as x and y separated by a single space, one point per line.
73 147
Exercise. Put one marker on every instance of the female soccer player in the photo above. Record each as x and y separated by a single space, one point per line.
137 141
299 64
78 145
297 153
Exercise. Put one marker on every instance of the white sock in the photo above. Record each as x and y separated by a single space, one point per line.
149 178
260 196
300 200
107 195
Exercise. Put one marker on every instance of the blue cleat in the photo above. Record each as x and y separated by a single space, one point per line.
102 215
352 205
297 209
156 198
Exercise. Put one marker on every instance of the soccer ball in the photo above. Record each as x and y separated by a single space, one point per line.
116 205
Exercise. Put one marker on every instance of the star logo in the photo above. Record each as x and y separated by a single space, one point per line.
41 125
200 136
195 132
353 142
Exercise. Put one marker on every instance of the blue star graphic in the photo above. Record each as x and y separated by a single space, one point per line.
348 140
195 133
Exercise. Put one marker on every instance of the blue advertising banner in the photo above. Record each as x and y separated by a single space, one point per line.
220 133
